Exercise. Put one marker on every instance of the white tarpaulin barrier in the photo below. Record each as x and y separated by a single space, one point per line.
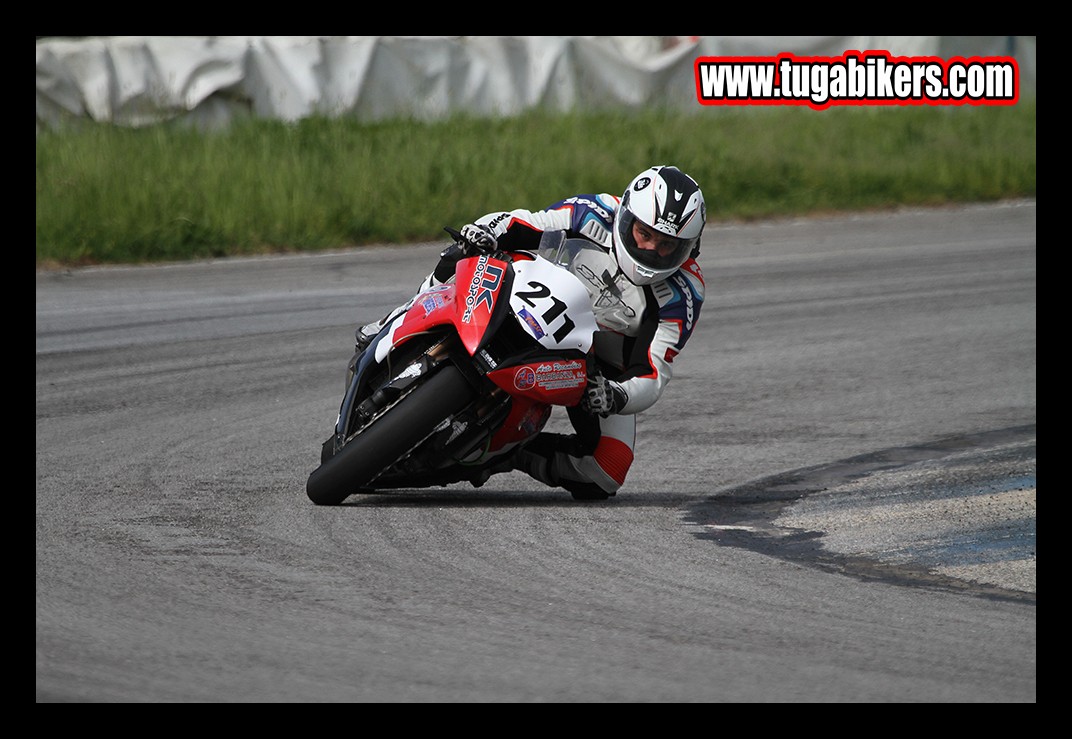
210 80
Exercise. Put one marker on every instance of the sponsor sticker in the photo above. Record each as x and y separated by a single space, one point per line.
524 378
558 375
531 321
431 303
487 278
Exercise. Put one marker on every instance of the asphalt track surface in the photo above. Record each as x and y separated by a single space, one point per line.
833 502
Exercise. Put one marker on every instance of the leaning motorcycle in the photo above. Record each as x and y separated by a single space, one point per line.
465 377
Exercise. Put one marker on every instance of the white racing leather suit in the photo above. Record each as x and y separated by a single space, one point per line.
641 330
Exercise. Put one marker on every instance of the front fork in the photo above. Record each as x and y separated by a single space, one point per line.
356 413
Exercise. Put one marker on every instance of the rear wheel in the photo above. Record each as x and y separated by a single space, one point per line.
390 437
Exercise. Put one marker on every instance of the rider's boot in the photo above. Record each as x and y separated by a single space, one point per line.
364 335
549 458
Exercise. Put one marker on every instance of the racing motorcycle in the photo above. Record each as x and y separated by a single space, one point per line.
464 377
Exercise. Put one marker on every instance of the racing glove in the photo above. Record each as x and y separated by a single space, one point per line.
478 239
603 397
468 242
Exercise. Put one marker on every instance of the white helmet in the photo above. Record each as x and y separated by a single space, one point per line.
668 201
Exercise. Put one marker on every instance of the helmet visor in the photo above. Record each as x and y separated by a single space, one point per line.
650 247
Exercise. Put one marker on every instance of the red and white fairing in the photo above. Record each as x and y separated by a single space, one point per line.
549 303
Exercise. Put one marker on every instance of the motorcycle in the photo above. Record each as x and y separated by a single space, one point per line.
464 377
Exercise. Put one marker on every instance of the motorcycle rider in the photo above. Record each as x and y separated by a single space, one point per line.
646 293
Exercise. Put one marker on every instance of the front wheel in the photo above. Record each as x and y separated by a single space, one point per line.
390 437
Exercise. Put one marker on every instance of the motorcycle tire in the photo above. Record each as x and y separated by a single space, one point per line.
390 436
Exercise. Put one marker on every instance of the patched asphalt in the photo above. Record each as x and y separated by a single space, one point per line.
956 514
